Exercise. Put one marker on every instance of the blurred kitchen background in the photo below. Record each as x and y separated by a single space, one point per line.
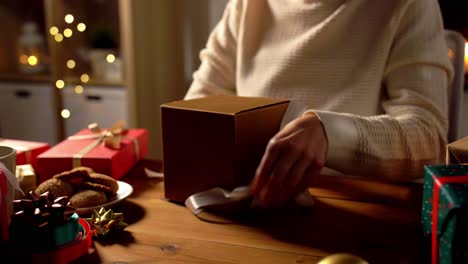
67 63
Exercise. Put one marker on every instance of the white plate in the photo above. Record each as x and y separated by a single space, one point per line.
124 191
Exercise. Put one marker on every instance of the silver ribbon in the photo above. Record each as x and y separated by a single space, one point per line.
215 197
11 178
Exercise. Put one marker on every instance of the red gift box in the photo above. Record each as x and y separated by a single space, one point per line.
26 151
3 208
86 148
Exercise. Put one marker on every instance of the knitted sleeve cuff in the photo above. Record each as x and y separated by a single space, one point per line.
342 138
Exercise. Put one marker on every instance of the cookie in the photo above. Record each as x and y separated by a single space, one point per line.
55 187
75 177
87 198
101 182
84 168
97 187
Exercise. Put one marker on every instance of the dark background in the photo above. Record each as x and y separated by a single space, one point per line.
455 15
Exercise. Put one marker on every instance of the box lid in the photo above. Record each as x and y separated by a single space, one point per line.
457 152
218 104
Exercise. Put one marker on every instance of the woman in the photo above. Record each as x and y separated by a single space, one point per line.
367 82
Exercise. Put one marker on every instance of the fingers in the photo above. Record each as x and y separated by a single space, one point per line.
292 158
291 183
276 189
265 167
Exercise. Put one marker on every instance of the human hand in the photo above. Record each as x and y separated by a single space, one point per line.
292 159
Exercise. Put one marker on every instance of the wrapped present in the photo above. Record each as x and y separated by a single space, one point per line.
216 141
42 224
112 152
26 178
457 152
46 230
4 222
445 213
26 151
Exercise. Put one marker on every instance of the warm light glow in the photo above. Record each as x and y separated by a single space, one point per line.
58 37
71 64
69 18
466 57
60 84
65 113
67 32
24 59
451 54
54 31
81 27
32 60
78 89
84 78
110 58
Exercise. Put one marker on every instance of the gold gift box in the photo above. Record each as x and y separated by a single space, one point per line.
26 178
457 152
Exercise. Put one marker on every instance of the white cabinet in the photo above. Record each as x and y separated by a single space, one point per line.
27 112
104 105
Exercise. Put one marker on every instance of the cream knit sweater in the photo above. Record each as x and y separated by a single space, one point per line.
376 73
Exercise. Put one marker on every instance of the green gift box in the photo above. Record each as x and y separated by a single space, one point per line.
445 213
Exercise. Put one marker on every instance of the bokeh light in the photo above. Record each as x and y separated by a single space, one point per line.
65 113
69 18
71 64
32 60
60 84
67 32
84 78
81 27
466 57
79 89
24 59
53 31
110 58
58 37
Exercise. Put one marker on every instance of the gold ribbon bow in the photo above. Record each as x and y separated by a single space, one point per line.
111 138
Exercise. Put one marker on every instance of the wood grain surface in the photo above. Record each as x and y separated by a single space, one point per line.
377 221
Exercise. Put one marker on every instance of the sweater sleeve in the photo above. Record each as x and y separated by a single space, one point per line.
412 131
216 74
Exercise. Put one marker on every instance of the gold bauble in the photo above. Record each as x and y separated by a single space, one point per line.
342 259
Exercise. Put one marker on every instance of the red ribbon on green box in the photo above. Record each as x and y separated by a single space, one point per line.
438 184
444 213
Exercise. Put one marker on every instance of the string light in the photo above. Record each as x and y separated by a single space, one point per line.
32 60
78 89
60 84
65 113
71 64
24 59
53 31
81 27
84 78
110 58
58 37
466 57
67 32
69 18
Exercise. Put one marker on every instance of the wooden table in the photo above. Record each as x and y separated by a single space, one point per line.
377 221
